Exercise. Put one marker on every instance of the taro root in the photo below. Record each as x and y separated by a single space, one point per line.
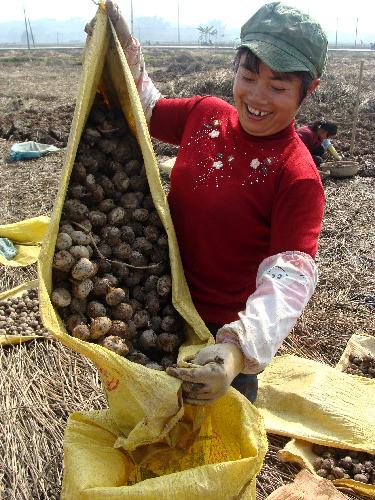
75 210
121 181
80 251
116 344
115 296
116 216
63 261
122 311
152 303
96 309
122 251
130 200
112 235
97 218
81 332
99 327
106 205
142 245
66 228
101 286
82 289
141 319
83 269
164 285
152 233
63 241
171 323
80 238
140 215
78 305
127 234
150 283
168 342
137 259
105 250
119 328
148 340
75 319
61 297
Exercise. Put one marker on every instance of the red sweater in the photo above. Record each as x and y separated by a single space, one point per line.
235 199
309 138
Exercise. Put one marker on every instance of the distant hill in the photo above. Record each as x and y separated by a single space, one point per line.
147 29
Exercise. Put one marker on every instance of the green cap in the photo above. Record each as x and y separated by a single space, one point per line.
286 39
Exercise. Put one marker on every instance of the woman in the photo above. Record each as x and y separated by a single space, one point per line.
316 137
245 196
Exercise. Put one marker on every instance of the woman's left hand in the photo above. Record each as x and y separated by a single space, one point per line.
220 364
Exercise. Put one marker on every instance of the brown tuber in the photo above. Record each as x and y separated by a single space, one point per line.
115 344
100 326
115 296
83 269
61 297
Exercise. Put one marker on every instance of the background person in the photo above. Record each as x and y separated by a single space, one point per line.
316 137
245 196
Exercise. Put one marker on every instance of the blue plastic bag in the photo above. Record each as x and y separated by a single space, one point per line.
30 149
7 249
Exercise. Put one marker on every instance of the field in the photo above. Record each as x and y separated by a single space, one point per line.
42 383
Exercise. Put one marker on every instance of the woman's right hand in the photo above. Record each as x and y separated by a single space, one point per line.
118 21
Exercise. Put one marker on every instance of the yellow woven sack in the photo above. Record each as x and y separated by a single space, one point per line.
27 236
146 414
16 292
315 403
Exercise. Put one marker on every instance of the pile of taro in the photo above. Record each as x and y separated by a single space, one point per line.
364 366
20 315
111 272
334 463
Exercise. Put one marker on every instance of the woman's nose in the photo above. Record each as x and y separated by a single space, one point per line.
259 94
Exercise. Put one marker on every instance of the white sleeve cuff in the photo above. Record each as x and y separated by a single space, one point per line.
285 282
148 93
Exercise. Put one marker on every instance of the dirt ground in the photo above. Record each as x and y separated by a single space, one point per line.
37 99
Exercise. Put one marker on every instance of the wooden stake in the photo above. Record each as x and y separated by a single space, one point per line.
355 116
27 33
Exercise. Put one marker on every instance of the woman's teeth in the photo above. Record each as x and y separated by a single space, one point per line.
256 112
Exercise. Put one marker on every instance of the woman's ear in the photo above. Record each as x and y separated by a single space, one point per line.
313 86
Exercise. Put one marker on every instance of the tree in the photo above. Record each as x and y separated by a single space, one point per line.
206 33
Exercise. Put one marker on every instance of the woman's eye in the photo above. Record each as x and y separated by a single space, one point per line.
277 89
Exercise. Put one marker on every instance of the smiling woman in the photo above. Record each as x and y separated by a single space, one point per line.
245 196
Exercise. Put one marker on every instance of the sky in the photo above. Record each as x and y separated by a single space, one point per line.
233 13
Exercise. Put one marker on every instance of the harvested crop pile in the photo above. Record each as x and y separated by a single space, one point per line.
20 315
111 272
334 463
363 366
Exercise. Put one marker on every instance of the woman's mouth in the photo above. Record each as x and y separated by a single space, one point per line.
257 113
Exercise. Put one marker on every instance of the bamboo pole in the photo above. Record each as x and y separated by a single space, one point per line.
355 116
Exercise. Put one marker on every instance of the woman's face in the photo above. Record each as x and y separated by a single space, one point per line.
266 102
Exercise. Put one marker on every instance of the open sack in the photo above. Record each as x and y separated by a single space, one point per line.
147 444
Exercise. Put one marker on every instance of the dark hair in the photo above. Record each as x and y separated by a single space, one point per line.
252 63
329 127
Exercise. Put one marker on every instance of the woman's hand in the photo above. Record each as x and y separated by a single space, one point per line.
119 23
220 364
